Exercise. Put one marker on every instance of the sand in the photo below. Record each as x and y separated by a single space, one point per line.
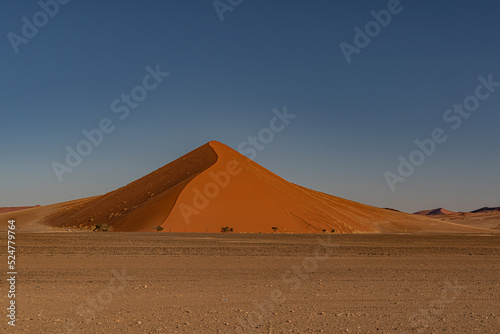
256 283
16 208
484 220
215 186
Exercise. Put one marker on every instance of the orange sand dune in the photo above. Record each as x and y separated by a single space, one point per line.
255 200
141 204
215 186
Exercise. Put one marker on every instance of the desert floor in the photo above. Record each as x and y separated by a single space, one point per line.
79 282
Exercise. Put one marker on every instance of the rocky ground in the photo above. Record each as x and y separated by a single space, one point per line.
254 283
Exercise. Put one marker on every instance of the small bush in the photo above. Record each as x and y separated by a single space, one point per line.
101 228
158 228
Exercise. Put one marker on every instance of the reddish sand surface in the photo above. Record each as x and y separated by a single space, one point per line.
29 219
215 186
254 283
17 208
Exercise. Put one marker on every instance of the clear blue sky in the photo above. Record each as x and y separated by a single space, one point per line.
353 119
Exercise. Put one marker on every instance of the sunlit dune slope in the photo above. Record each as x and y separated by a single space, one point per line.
256 200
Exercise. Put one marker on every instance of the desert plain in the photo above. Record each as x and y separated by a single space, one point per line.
85 282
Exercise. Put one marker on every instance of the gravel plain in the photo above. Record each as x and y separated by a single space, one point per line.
82 282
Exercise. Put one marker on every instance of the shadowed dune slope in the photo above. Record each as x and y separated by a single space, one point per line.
256 200
141 204
487 210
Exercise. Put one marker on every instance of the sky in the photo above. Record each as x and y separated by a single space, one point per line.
363 79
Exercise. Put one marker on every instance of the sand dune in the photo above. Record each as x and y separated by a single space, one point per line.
30 219
486 217
17 208
483 219
215 186
256 200
487 210
141 204
434 212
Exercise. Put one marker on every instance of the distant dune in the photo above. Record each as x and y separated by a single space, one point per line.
487 209
441 211
486 217
214 186
434 212
17 208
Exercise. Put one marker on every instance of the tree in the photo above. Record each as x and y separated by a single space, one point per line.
158 228
274 229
